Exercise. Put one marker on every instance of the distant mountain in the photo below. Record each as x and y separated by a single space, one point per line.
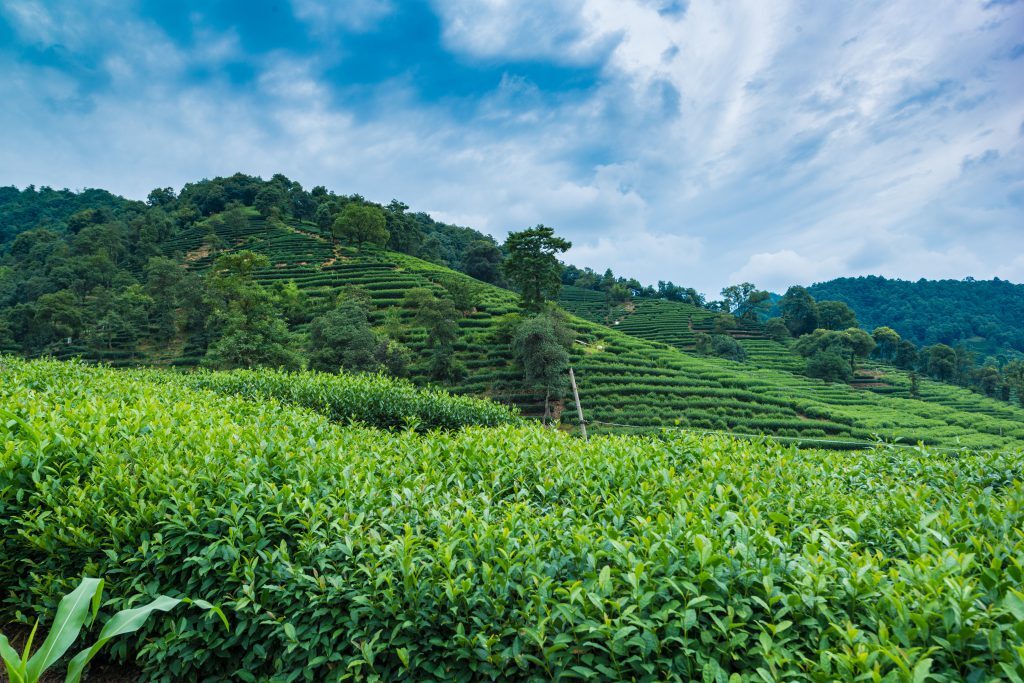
986 315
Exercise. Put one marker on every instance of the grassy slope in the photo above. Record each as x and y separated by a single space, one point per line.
623 379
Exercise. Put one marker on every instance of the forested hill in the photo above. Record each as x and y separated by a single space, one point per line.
142 227
987 315
22 210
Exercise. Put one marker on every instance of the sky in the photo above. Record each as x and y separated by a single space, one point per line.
704 142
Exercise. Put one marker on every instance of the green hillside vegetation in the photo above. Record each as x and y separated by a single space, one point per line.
680 325
513 552
833 340
373 400
985 315
261 287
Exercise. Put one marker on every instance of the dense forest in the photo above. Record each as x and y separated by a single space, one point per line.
95 269
985 315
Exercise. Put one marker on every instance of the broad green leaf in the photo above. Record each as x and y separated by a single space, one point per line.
71 615
127 621
12 662
1014 601
922 670
203 604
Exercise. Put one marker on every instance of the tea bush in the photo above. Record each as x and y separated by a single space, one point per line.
507 553
374 400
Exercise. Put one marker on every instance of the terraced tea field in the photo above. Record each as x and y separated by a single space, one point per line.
676 324
627 382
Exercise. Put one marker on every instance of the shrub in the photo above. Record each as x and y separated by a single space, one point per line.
510 552
374 400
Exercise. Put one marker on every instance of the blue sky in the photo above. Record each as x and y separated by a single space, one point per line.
703 142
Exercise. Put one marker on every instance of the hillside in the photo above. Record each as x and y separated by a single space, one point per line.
509 552
627 382
624 382
986 315
676 324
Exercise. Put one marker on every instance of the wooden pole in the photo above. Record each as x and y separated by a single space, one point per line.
579 408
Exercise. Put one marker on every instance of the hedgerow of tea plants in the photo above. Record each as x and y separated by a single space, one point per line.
374 400
508 553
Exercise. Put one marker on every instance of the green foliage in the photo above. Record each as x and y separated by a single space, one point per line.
393 357
829 364
439 318
861 343
941 362
827 345
702 343
988 314
73 613
799 311
1014 373
540 346
724 346
245 321
617 294
462 294
342 339
373 400
723 323
836 315
906 355
360 224
887 342
511 553
293 302
648 384
745 301
270 201
532 266
483 261
33 207
776 330
163 279
822 339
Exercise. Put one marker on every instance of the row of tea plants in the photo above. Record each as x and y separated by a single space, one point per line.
505 553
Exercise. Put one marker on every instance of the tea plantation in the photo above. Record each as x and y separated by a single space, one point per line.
635 376
625 379
765 394
498 553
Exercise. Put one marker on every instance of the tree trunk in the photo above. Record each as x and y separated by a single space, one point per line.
547 407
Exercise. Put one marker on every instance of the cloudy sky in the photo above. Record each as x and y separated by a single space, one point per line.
706 142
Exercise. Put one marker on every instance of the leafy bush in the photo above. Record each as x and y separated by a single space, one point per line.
512 553
374 400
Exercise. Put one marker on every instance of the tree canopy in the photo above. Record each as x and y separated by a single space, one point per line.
360 224
799 311
532 265
540 345
988 314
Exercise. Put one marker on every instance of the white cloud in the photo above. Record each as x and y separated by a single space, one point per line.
671 255
551 30
777 270
324 15
1012 270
